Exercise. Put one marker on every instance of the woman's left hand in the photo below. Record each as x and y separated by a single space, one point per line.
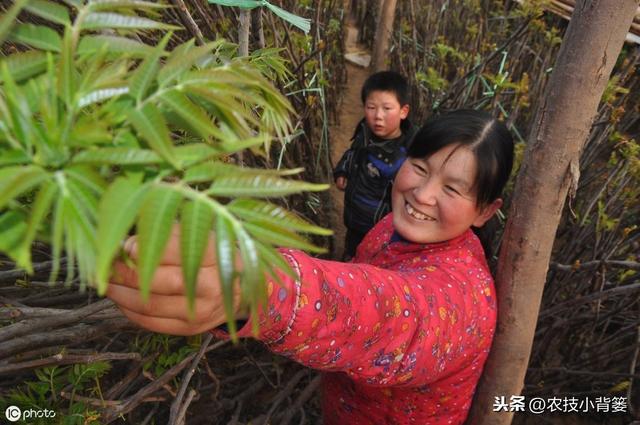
166 310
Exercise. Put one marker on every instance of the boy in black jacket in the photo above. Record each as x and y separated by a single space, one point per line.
367 169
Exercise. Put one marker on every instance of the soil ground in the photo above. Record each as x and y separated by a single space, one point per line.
341 132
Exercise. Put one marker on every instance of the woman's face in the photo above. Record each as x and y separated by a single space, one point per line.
433 198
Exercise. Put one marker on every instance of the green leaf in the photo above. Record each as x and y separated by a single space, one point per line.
37 36
101 95
196 223
152 127
261 186
117 156
24 65
146 73
194 153
14 157
9 17
245 4
183 58
273 262
252 277
74 3
253 210
192 114
117 212
91 44
297 21
211 170
84 201
50 11
17 114
226 262
155 222
66 80
57 230
80 237
13 227
100 20
277 235
41 207
87 177
16 180
100 5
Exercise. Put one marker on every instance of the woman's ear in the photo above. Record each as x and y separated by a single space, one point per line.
487 212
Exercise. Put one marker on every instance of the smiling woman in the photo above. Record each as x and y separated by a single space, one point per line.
402 332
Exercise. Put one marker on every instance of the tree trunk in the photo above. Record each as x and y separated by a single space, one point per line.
243 32
383 35
549 171
256 24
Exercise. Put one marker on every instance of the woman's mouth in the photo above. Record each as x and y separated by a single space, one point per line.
416 214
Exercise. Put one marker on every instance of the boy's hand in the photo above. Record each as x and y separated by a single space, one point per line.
341 182
167 310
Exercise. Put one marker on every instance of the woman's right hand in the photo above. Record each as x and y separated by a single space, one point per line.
341 182
167 310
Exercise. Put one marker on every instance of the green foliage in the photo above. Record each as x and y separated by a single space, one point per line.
49 385
161 352
431 79
100 133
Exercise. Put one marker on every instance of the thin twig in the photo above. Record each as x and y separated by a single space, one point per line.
305 395
71 316
65 358
286 392
176 405
187 19
72 335
633 265
180 420
37 268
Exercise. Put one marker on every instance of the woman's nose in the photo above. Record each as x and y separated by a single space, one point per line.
425 193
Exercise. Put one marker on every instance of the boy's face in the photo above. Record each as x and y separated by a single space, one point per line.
383 114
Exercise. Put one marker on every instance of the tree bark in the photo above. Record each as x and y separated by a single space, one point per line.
549 172
256 25
243 32
383 35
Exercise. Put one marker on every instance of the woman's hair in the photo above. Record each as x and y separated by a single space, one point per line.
486 137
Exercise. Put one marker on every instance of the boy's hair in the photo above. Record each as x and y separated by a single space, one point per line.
386 81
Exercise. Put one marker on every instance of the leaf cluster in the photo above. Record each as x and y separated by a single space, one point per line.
101 133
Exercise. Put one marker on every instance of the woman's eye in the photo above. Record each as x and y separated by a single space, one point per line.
451 189
420 169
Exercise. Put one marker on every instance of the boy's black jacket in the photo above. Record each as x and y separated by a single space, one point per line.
370 165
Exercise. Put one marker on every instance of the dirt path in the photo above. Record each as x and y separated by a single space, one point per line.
350 115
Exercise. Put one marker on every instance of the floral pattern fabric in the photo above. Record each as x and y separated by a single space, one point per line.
401 333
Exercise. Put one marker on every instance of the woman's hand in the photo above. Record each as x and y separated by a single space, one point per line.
341 183
167 310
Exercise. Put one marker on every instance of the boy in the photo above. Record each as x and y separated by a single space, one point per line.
367 169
